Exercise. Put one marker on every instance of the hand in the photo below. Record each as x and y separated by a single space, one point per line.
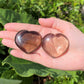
73 59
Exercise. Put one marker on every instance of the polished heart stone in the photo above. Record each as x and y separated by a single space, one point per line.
55 45
28 41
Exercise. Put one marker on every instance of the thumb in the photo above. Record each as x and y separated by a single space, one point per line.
60 25
47 22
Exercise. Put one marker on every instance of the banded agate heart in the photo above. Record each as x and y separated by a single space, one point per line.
28 41
55 45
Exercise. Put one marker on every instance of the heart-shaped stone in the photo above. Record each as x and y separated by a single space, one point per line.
55 45
28 41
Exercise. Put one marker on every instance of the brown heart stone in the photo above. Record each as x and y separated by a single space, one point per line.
28 41
55 45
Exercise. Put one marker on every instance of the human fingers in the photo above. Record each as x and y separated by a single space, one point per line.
22 26
37 58
11 34
7 35
47 22
9 43
56 23
20 54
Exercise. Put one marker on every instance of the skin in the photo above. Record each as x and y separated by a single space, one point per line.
73 59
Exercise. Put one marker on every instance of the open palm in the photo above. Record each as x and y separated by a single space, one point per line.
73 59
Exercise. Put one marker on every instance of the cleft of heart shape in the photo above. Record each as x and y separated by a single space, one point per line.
53 45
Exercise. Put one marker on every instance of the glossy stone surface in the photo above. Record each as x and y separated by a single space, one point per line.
28 41
55 45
